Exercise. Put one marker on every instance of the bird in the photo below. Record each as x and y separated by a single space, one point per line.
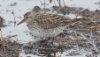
45 25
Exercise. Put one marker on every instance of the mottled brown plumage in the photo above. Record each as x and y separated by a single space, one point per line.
45 24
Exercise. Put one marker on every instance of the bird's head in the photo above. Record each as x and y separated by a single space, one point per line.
27 17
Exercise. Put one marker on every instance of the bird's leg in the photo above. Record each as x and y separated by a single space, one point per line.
47 40
52 40
61 38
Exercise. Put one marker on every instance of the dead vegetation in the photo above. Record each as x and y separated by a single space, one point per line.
9 48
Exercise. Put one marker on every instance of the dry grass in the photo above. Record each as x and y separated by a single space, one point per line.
2 42
93 28
9 47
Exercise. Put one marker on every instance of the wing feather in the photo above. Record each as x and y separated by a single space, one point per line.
50 21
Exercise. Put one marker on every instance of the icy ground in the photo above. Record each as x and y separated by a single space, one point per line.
24 6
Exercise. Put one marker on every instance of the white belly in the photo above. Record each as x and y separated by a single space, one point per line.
41 33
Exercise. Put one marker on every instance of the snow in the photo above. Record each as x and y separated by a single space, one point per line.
83 3
24 6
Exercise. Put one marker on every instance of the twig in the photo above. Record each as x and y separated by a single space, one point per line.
64 3
2 40
93 21
76 15
14 18
92 42
55 3
41 2
7 33
1 35
89 29
59 2
77 41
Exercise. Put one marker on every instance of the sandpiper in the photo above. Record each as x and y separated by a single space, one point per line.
45 25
